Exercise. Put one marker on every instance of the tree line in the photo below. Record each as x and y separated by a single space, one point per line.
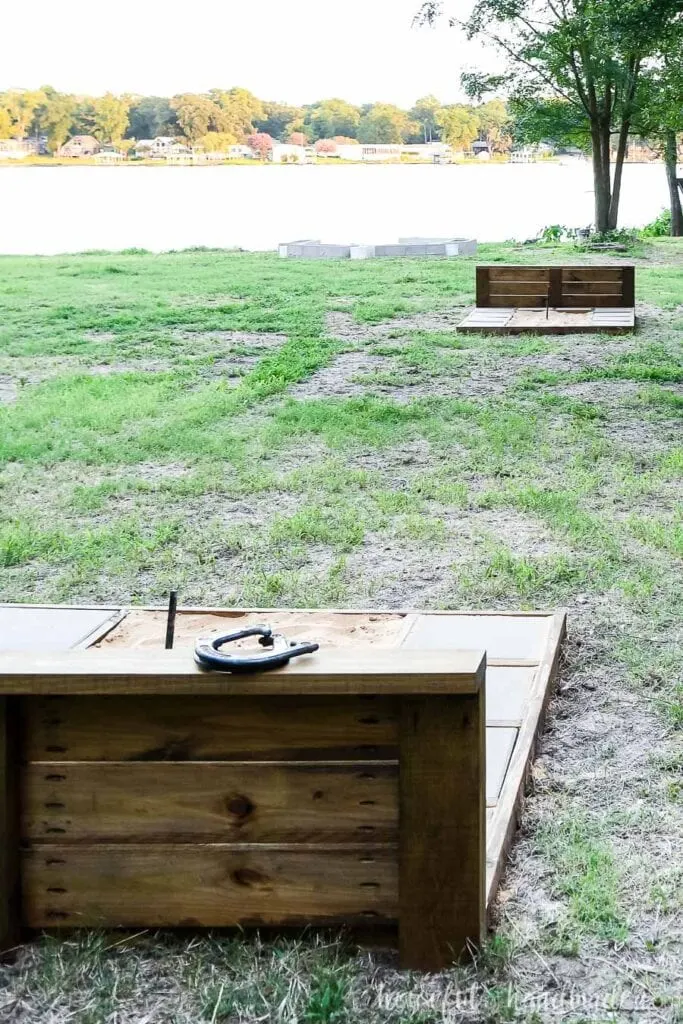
224 117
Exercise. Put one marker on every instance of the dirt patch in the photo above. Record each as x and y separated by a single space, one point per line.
339 379
343 327
8 390
209 301
142 366
400 572
233 339
103 337
601 392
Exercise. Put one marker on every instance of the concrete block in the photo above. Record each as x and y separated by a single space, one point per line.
362 252
451 246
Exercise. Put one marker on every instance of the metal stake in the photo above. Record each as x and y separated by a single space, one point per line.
170 621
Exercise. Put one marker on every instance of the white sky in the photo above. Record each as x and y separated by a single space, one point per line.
295 51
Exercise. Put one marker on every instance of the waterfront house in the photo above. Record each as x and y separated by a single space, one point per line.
79 145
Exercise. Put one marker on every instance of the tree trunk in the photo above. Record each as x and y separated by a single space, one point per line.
601 181
670 161
618 173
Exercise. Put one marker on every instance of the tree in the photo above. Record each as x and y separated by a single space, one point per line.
239 110
297 139
494 124
150 116
459 126
326 146
279 120
5 121
426 114
55 117
110 118
261 143
218 142
383 123
21 105
588 53
197 115
332 117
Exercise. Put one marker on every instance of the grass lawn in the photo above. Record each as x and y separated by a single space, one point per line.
264 432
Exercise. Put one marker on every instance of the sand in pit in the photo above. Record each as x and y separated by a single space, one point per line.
147 629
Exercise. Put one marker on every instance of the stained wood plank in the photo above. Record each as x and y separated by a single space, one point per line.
555 287
519 288
629 286
519 301
589 288
10 900
514 273
330 671
596 273
209 885
571 299
210 802
482 279
205 728
442 829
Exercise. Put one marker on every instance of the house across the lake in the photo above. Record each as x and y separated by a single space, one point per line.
79 145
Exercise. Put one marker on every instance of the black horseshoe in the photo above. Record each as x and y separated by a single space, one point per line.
208 654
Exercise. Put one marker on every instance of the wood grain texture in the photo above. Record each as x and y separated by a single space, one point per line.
442 810
10 902
629 286
203 728
588 288
482 289
555 286
331 671
511 288
595 273
504 822
209 885
308 802
519 301
513 273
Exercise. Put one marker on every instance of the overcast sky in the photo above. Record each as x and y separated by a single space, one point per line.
296 51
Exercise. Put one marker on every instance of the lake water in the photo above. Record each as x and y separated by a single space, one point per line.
71 209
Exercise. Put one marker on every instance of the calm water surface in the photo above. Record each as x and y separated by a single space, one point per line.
71 209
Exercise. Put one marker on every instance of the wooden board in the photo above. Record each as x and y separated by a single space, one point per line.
35 628
204 728
10 909
580 320
340 671
170 885
551 300
360 729
308 802
505 638
442 904
503 823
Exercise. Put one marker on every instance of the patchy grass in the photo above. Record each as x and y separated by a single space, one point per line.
150 438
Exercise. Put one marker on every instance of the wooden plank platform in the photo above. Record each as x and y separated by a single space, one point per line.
553 300
238 796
